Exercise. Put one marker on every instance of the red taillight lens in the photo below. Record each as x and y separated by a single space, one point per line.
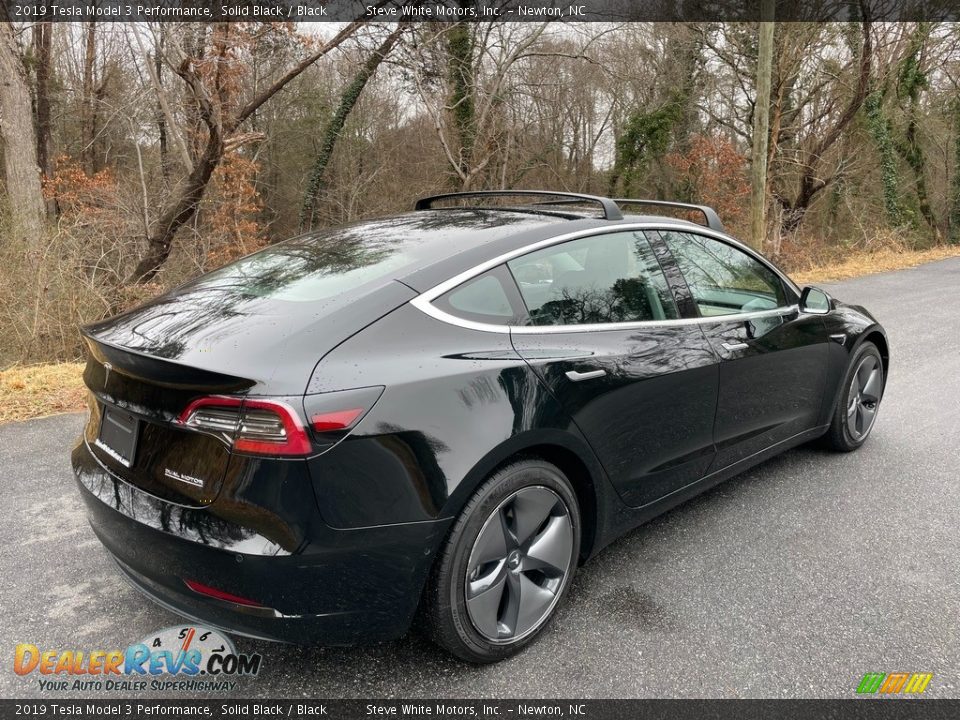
216 413
339 420
260 427
334 415
213 592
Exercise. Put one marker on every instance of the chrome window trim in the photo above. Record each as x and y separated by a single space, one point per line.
424 301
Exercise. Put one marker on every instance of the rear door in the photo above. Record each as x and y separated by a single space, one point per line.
773 358
605 335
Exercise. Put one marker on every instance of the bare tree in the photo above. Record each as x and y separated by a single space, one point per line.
830 124
222 121
477 60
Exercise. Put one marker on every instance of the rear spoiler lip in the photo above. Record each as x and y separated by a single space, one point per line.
171 373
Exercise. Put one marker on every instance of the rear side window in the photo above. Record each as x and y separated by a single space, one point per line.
608 278
488 298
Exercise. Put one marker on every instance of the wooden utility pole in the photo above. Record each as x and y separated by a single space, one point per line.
761 127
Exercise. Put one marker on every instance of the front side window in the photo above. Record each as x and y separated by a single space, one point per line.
722 279
609 278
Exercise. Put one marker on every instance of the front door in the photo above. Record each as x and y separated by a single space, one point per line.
773 358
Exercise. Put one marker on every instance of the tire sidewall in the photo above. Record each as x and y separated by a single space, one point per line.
526 473
867 348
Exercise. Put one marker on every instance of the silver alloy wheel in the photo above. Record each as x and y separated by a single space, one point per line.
519 564
866 387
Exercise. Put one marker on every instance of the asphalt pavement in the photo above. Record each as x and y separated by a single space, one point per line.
792 580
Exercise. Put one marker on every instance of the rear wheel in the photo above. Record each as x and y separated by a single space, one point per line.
859 400
506 564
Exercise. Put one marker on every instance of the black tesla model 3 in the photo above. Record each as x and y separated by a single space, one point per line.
440 415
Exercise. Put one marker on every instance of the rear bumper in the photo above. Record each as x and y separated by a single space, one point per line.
338 587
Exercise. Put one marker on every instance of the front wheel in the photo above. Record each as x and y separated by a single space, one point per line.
506 564
859 400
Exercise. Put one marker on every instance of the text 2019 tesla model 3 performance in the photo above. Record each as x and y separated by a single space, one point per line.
442 414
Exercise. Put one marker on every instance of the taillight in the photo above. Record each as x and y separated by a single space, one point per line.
336 420
260 427
333 415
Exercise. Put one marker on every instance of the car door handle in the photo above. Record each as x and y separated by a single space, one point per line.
575 376
735 346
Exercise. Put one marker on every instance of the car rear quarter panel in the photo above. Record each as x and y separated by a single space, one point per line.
457 403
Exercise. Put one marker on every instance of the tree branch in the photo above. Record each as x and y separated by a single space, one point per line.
252 106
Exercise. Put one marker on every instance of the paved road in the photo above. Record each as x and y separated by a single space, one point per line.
791 580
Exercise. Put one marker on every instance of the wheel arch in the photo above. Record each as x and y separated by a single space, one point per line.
571 465
878 338
566 451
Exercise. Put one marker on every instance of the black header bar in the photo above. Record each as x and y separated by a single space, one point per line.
477 10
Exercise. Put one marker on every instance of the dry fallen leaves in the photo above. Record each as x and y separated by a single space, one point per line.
875 262
31 391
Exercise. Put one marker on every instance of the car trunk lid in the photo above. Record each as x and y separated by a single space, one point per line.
133 429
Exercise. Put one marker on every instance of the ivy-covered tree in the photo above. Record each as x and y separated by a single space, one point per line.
911 82
645 137
880 131
333 130
954 217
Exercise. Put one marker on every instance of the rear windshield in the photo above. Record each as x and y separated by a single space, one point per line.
325 265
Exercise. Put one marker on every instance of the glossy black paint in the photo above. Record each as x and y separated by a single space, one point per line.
264 542
457 403
646 452
207 324
756 406
336 545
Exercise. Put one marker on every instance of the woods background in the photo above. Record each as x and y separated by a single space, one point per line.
136 156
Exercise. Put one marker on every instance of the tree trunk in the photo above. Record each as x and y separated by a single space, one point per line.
348 99
41 50
165 166
186 197
954 218
88 132
912 81
686 47
462 103
42 35
761 130
879 127
811 182
21 172
913 154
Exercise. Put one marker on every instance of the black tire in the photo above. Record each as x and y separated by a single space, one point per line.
843 435
447 619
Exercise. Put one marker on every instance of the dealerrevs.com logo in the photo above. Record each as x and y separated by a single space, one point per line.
190 658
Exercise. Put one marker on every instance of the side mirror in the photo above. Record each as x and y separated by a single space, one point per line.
816 301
